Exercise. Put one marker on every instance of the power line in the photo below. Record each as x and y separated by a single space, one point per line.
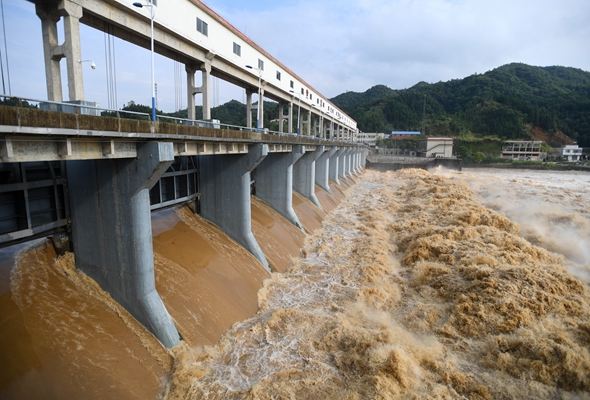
5 52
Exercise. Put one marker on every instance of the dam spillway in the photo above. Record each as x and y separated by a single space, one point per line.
206 281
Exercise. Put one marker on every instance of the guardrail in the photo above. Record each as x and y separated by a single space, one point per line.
90 108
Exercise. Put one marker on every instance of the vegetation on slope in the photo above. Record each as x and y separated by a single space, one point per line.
507 102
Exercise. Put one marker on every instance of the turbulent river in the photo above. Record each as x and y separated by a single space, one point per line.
418 285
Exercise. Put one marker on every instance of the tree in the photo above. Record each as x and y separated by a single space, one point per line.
478 157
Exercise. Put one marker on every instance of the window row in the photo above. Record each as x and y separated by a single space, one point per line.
203 28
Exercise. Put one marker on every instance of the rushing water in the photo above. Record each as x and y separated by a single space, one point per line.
418 285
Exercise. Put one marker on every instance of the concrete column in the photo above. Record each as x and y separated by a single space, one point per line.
50 14
342 162
360 159
315 126
322 169
348 157
357 161
281 116
309 118
290 118
112 232
274 182
353 154
332 129
205 89
191 90
249 108
304 174
72 15
334 162
225 195
52 52
364 158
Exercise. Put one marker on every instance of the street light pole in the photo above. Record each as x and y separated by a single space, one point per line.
258 116
152 15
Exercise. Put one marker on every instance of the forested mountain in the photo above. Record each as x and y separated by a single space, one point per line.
507 102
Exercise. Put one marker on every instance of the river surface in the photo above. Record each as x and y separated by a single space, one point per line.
417 284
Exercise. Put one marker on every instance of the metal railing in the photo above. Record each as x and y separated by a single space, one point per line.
89 108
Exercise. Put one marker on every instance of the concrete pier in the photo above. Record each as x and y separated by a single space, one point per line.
274 182
322 169
342 162
348 165
334 166
304 175
225 195
112 232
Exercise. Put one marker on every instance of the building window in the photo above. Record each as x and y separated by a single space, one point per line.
292 85
260 64
202 27
237 49
278 75
302 91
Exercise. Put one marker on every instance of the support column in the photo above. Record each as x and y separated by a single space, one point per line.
315 126
50 14
334 162
364 158
112 231
225 195
281 116
191 90
357 159
353 154
290 118
322 169
331 128
309 119
348 157
359 165
304 174
274 182
205 89
52 52
72 15
342 162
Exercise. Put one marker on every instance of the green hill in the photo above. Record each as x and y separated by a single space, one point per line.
507 102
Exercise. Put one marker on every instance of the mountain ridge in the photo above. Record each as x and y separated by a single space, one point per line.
507 102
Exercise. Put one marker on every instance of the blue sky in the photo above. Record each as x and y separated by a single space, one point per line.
336 46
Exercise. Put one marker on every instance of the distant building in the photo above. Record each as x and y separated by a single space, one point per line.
370 139
572 152
436 147
524 150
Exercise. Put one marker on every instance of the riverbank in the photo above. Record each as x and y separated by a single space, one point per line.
534 165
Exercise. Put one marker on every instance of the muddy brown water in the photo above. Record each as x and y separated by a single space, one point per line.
62 337
422 285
